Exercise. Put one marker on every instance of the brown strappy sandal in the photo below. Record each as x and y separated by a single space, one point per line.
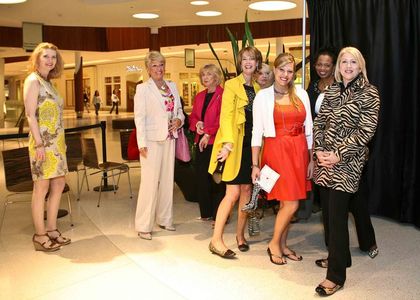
59 239
47 246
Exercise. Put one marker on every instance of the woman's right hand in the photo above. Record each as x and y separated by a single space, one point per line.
255 174
40 153
143 152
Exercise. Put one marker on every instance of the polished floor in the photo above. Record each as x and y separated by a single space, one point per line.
107 260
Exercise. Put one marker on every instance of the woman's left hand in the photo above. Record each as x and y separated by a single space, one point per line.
174 124
328 160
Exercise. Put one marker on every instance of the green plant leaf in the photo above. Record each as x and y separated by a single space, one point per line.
268 53
248 30
225 73
235 47
244 41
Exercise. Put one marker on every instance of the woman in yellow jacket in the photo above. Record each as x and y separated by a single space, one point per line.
233 145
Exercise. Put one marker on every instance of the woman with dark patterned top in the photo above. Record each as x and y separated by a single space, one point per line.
345 124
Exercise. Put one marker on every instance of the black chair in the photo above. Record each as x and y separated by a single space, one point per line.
18 178
108 169
75 159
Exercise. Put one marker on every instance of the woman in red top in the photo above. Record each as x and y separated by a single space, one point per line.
204 121
282 115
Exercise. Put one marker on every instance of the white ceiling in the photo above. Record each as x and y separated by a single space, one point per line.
117 13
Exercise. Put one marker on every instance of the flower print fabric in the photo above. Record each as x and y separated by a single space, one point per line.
50 121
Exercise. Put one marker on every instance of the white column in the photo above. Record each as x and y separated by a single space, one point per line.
2 96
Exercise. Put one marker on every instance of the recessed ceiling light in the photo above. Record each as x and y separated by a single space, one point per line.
146 16
272 5
208 13
199 2
11 1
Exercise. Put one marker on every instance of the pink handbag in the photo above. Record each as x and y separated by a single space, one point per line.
182 149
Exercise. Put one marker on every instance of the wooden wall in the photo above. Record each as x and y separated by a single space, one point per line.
117 39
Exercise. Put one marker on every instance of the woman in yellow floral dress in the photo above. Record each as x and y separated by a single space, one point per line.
47 147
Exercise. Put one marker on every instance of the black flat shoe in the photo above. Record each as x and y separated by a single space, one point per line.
242 247
324 291
322 263
283 262
223 254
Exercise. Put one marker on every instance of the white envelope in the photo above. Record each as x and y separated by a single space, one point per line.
268 178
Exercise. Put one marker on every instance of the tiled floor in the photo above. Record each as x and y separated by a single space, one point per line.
106 259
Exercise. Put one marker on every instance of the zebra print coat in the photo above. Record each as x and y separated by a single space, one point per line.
345 124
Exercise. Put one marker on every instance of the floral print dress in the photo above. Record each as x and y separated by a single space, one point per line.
49 116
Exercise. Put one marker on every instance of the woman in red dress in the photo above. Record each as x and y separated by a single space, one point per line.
282 115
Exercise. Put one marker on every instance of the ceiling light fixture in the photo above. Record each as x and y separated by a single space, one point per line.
272 5
11 1
208 13
147 16
199 2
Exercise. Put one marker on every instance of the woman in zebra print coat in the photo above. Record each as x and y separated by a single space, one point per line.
345 124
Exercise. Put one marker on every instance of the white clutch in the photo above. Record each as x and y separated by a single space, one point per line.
268 178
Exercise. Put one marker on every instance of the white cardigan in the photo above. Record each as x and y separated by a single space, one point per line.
263 118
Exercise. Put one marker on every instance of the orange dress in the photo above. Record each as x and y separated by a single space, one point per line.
287 153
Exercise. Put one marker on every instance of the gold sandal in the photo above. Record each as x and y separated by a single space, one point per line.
47 246
59 239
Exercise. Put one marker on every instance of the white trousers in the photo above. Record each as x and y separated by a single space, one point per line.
156 186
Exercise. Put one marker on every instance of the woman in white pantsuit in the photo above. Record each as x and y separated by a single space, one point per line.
158 115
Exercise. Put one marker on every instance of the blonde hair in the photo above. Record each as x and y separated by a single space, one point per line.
281 60
357 56
153 56
34 60
254 52
213 70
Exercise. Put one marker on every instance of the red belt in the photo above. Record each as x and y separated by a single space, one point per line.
293 131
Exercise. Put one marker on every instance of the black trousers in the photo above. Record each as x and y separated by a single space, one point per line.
364 228
114 104
97 106
335 210
208 192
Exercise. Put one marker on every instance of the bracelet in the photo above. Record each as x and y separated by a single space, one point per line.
255 166
39 146
207 135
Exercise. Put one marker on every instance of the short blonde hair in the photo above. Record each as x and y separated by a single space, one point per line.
213 70
359 58
253 51
34 60
153 56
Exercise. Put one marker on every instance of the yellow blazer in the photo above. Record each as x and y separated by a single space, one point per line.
232 126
